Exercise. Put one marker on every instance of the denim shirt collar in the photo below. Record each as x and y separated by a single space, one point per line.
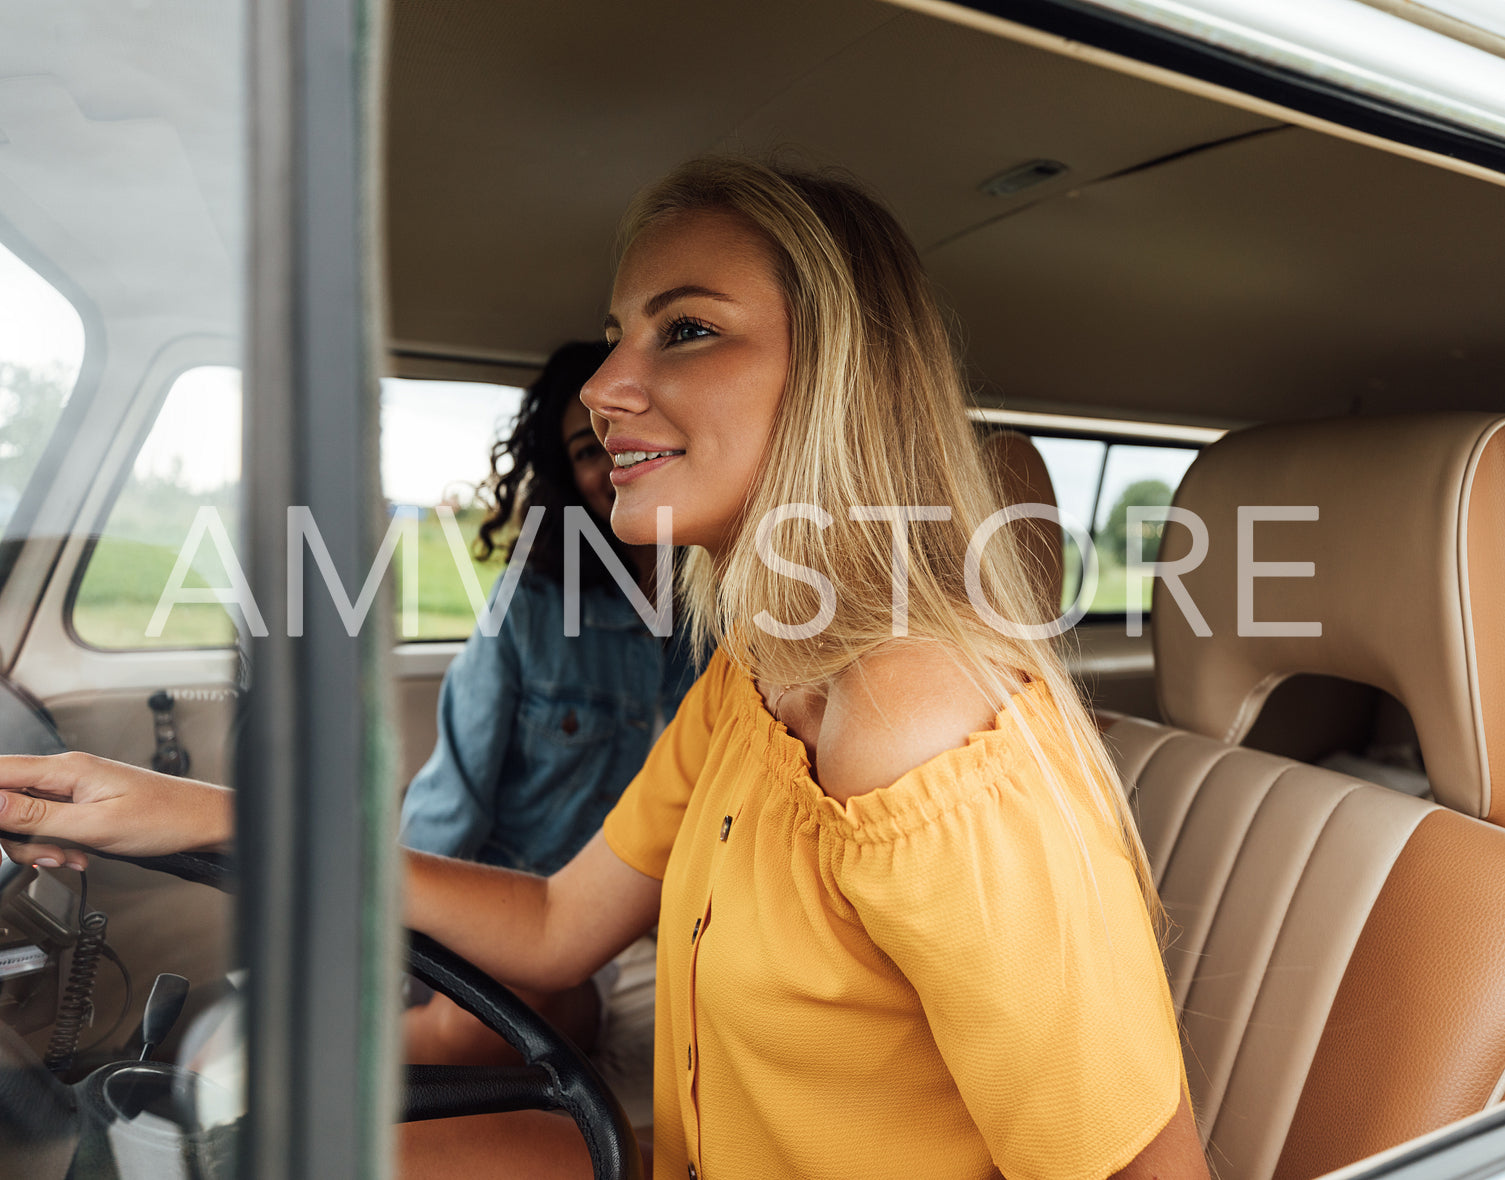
606 608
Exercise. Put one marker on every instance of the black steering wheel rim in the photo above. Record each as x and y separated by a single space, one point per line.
555 1075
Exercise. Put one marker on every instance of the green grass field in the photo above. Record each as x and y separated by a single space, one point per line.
1112 584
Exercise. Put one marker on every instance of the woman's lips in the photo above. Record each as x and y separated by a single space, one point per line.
625 475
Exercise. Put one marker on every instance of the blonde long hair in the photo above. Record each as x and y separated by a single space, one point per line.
873 414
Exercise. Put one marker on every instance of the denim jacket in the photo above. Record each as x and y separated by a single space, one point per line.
538 733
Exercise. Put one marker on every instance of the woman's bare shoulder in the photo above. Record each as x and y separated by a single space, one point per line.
895 709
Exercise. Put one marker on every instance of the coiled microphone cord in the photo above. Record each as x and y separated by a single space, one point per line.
77 1006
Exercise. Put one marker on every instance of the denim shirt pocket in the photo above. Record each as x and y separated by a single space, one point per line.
574 753
553 718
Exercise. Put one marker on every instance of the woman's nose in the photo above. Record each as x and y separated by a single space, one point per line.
616 389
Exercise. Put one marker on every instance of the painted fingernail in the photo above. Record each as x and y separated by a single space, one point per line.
47 862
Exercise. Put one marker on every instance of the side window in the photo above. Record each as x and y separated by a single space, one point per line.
189 463
1097 482
436 439
436 446
41 350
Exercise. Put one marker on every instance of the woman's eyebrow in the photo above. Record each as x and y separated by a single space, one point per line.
581 433
662 300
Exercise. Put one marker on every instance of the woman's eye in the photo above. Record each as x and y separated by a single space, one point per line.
685 329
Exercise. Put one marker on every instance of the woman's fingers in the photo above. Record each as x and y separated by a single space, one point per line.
47 856
50 774
44 796
28 815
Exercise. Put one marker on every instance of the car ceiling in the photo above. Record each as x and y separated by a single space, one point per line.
1197 262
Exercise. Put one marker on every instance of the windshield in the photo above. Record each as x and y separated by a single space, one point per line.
121 227
41 352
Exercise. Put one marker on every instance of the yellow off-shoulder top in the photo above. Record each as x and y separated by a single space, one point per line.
925 981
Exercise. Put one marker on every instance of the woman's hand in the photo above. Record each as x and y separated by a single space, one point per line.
67 799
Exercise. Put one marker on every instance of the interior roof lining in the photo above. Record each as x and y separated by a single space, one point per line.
1219 279
1131 170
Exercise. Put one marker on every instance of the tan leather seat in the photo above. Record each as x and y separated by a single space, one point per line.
1019 474
1339 965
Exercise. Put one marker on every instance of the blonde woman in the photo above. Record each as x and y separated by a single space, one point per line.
906 925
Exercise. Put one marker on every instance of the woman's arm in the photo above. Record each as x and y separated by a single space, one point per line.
1174 1154
543 933
76 798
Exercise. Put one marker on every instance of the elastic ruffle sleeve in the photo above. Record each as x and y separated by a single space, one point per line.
1041 980
642 826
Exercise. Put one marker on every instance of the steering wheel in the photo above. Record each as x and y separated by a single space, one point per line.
554 1075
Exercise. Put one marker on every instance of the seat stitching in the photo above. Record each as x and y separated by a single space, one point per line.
1204 1125
1222 884
1191 802
1162 739
1216 1109
1306 864
1157 872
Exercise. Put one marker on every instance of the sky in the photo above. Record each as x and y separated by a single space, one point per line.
436 435
1074 464
38 327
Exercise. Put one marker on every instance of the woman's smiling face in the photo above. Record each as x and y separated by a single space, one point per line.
700 357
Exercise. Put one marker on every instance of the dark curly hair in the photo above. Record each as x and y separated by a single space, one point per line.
532 468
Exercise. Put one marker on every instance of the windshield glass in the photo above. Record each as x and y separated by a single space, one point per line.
121 228
41 352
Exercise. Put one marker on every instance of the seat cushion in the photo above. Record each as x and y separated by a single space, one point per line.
1321 964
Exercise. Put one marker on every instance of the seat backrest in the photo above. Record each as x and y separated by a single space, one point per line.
1020 476
1338 961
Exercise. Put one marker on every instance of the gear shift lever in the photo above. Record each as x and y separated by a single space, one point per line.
163 1007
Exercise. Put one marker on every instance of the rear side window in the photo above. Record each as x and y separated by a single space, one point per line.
1096 482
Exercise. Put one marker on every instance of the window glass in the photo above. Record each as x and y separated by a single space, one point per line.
1075 466
122 208
1132 476
181 496
436 445
1076 472
436 439
41 350
1096 482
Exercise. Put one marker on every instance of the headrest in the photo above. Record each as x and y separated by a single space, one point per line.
1408 550
1020 476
